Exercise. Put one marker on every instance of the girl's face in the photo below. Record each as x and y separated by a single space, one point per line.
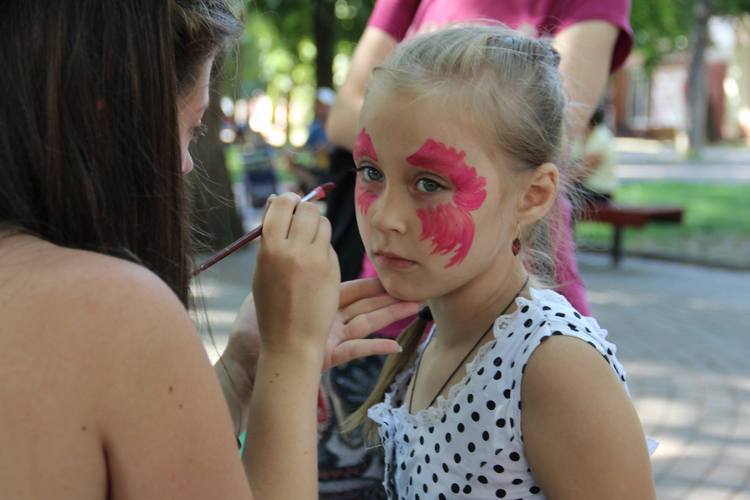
435 211
191 106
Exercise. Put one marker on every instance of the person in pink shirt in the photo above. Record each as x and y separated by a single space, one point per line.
593 37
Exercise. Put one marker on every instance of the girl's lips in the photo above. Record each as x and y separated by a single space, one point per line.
393 261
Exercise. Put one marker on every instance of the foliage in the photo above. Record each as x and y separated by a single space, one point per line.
277 51
663 26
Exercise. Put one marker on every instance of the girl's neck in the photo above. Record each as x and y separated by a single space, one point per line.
463 314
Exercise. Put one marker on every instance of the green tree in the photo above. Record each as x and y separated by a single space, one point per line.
281 35
287 45
664 26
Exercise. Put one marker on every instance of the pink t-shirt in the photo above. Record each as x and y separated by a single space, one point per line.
403 18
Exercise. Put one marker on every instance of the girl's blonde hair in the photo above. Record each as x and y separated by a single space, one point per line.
509 87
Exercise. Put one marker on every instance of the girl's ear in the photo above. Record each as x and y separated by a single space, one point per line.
540 194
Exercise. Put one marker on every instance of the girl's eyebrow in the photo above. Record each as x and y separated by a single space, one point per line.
363 146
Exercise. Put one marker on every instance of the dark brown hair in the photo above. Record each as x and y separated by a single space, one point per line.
202 29
89 147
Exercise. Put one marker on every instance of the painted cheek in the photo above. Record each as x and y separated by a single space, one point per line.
450 226
470 193
363 198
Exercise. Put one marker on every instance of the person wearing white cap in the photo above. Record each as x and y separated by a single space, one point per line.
317 139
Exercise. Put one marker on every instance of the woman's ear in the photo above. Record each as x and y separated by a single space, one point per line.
540 194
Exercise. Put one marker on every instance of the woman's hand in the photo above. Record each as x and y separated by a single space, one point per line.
364 308
297 279
296 288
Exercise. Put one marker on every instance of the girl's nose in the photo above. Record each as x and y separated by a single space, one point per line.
389 212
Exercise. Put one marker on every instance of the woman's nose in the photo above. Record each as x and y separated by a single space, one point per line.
187 163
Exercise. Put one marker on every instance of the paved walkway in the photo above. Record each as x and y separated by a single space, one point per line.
684 336
640 159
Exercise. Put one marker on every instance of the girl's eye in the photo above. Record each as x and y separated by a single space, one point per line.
428 186
199 131
370 174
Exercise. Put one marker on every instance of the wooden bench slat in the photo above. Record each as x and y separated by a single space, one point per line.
621 216
638 216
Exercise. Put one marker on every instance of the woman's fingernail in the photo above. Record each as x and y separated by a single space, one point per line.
269 200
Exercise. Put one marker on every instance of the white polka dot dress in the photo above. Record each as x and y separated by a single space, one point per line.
470 444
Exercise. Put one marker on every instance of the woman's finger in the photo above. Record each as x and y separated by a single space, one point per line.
323 236
305 223
364 306
278 219
368 323
352 291
355 349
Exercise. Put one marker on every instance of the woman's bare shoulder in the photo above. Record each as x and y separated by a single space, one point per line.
79 285
59 302
110 365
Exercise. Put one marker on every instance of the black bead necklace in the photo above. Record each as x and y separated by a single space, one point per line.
463 360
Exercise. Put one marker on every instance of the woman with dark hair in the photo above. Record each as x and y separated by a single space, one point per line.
105 390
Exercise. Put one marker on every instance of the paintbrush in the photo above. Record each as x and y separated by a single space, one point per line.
318 193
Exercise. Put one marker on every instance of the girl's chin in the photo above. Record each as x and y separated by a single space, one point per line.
403 289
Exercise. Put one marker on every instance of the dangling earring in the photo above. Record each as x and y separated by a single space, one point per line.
517 241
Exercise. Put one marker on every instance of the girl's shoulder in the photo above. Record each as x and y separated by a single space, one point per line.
548 314
548 319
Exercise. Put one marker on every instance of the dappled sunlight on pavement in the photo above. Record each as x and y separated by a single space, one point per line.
682 334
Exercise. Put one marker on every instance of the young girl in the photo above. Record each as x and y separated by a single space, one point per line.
513 393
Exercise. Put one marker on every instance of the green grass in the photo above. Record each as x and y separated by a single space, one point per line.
715 227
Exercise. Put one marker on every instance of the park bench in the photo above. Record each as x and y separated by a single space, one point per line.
622 216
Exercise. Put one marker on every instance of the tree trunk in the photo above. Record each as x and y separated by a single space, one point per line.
214 217
697 92
324 25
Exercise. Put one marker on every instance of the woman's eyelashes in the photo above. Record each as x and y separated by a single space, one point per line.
198 132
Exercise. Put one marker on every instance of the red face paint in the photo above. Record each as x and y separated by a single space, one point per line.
363 198
363 148
450 225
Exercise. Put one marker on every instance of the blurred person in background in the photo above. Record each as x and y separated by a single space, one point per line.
595 169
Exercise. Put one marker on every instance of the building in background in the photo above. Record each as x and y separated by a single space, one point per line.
655 105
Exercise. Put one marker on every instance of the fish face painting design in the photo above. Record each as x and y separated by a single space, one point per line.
449 225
